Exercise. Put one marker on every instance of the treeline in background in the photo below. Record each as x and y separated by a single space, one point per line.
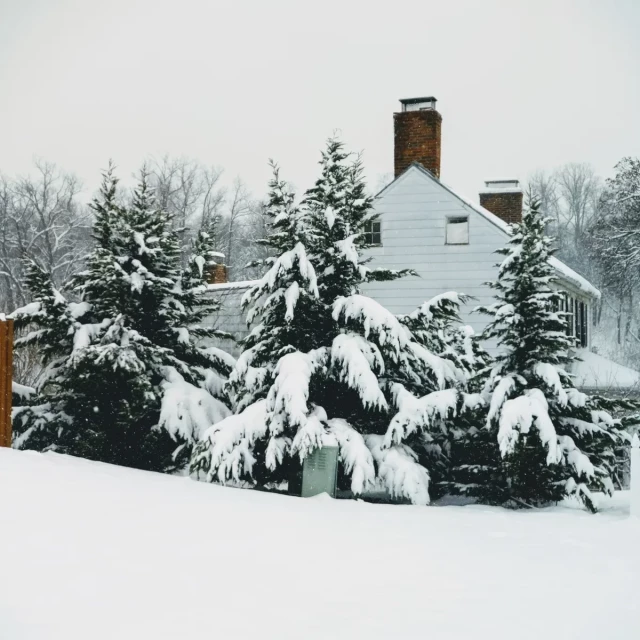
45 216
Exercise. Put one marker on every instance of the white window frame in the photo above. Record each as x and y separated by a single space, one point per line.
456 220
369 232
577 319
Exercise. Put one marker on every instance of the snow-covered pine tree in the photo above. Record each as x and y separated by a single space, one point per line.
197 304
284 308
342 370
553 441
436 326
454 455
130 383
474 462
203 256
47 323
338 208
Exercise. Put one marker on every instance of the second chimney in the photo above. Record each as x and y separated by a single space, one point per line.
417 135
503 197
217 271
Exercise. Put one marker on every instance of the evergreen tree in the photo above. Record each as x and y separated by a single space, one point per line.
284 305
203 257
338 208
549 440
284 308
195 304
448 453
326 364
49 321
133 385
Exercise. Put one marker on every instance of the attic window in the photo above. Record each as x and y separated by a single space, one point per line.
457 230
373 233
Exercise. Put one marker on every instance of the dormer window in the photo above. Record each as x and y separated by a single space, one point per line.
457 230
373 232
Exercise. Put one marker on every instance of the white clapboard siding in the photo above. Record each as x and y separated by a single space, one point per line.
230 317
413 211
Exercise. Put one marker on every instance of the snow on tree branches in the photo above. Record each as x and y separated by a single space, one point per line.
325 364
128 375
549 440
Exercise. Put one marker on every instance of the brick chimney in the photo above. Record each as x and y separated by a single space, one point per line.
416 132
217 271
503 197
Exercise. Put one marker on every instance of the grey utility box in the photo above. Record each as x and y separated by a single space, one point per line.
320 472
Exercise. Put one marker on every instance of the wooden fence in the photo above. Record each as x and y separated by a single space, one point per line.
6 370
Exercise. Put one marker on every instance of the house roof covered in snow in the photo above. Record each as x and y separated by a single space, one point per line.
227 286
593 371
564 272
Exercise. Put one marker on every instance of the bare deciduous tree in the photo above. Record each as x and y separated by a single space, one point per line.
195 195
189 190
570 196
545 187
580 190
41 219
234 225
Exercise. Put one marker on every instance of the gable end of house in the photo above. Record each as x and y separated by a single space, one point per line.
570 279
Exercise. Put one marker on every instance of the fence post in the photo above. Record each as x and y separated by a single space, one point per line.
6 371
635 476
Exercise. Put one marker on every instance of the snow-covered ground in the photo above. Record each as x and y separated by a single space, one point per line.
92 551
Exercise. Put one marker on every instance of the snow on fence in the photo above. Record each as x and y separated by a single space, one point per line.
635 476
6 368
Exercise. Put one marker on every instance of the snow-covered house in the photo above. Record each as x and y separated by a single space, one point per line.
448 239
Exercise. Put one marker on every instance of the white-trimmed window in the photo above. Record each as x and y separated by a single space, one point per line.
457 230
582 324
577 319
373 232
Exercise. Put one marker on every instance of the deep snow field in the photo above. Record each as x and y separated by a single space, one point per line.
91 552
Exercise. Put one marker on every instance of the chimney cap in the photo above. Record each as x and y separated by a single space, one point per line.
418 104
502 185
416 100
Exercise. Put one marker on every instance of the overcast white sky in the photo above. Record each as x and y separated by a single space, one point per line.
520 85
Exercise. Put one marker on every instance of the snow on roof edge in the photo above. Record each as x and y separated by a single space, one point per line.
574 277
240 284
501 190
565 271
